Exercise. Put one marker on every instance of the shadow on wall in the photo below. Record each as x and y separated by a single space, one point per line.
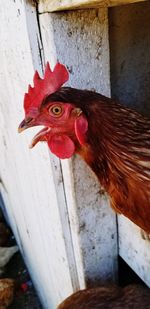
130 55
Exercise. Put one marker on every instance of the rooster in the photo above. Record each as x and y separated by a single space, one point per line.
112 139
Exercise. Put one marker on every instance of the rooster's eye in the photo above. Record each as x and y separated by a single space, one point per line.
55 110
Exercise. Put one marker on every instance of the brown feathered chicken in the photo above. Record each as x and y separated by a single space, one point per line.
132 296
7 289
112 139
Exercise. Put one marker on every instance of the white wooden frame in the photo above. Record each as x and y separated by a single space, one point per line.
61 5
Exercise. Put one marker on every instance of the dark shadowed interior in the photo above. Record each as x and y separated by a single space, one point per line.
129 28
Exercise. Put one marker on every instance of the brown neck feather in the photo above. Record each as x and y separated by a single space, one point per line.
119 153
117 150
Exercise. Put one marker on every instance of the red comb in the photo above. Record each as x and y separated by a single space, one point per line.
51 82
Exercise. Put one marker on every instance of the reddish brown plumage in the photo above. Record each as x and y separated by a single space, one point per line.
117 150
132 296
112 139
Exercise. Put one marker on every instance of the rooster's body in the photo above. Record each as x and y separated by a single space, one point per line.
109 297
112 139
118 151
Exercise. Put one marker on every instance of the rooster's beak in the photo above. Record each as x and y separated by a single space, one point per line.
25 124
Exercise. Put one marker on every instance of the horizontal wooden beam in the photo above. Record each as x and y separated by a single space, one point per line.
61 5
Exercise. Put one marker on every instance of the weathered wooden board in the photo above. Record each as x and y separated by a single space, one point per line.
80 40
61 5
27 185
134 248
44 206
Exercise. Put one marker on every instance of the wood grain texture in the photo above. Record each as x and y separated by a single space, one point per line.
61 5
27 182
134 248
81 43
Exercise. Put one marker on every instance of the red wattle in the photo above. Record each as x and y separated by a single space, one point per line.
62 146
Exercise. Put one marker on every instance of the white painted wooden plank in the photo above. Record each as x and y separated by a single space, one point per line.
81 42
46 24
65 221
59 5
76 269
134 249
68 176
26 176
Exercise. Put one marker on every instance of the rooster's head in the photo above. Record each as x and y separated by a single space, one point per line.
65 125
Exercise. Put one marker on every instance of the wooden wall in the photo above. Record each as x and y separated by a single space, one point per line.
60 216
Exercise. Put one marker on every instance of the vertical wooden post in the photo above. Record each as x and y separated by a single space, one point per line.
80 40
